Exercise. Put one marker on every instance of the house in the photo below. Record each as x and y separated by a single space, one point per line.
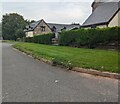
57 28
38 27
104 14
41 27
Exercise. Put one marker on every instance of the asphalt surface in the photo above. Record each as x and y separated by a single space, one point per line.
27 80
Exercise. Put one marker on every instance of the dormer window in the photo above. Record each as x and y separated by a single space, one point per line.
54 29
63 29
42 28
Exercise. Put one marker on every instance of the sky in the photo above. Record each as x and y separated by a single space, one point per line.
52 11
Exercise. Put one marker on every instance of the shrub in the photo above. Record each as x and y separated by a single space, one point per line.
29 39
41 39
90 38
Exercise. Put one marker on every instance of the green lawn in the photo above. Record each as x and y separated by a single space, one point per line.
102 60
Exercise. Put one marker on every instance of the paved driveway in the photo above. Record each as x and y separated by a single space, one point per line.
28 80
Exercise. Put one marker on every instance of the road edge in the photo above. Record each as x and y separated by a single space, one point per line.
76 69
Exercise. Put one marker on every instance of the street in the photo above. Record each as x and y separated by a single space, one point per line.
27 80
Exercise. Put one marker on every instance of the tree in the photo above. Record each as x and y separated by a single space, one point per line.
13 26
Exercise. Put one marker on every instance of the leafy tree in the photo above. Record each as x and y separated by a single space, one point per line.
13 26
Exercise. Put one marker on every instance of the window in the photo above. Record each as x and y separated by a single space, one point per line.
42 28
53 29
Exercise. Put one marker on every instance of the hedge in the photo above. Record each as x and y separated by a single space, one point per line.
90 38
41 39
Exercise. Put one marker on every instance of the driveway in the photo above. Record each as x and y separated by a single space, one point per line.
27 80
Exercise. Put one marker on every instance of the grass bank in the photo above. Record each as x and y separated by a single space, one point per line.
102 60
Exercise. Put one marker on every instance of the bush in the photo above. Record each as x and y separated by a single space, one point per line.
90 38
41 39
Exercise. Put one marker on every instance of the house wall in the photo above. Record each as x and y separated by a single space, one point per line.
87 27
29 34
38 30
115 21
98 26
102 26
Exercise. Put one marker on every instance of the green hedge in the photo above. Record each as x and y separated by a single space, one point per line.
41 39
90 38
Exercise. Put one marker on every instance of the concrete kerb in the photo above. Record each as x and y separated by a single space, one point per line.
77 69
97 73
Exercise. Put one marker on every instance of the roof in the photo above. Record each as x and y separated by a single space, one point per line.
58 27
61 26
32 26
102 14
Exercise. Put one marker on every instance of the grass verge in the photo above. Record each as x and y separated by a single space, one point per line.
102 60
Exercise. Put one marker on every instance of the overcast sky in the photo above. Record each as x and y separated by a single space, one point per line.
52 11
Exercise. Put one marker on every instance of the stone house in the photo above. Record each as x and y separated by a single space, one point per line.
104 14
41 27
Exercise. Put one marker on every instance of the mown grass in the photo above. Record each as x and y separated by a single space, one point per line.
102 60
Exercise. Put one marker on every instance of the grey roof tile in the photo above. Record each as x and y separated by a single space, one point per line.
102 14
32 26
61 26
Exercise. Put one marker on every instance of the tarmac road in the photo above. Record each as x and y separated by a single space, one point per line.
27 80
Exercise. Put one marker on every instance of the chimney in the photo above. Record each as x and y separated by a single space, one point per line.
95 4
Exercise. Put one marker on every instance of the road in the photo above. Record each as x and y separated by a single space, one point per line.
27 80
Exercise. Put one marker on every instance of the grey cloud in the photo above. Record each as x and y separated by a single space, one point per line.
58 12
